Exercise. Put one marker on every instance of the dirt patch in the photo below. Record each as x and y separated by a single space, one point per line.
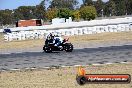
61 78
96 38
103 37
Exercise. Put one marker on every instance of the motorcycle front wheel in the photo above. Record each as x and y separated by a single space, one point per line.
68 47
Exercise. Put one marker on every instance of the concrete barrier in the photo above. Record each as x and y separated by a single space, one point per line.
70 29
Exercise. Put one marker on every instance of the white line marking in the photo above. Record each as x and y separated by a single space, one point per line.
96 64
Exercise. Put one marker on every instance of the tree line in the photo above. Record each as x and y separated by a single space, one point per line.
67 8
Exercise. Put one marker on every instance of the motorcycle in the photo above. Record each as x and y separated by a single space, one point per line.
64 46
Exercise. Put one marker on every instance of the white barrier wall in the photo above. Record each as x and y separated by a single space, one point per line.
1 30
76 28
40 34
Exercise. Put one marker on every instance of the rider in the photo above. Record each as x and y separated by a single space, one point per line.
50 38
54 38
57 40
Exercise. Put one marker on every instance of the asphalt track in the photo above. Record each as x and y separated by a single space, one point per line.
85 56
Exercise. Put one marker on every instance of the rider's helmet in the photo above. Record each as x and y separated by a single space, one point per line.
50 36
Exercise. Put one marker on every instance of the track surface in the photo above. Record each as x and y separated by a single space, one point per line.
84 56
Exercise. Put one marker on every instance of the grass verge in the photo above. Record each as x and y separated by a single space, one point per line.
102 37
61 78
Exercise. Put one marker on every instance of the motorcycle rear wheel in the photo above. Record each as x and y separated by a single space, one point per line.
47 49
